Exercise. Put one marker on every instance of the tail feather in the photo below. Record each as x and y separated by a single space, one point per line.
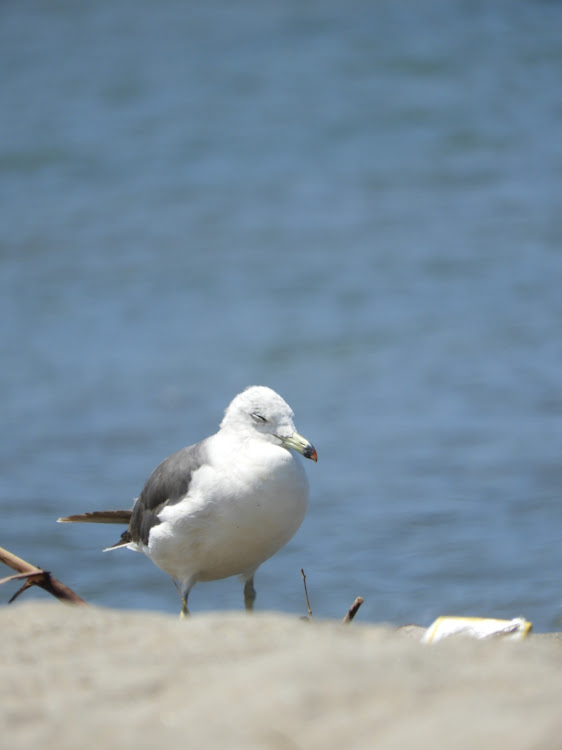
99 516
123 542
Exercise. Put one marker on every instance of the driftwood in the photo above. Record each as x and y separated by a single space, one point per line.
34 576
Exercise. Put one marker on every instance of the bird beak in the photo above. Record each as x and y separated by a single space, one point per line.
299 443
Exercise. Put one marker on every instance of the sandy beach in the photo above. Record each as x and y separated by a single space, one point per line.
77 677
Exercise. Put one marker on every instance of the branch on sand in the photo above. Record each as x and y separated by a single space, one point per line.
306 594
353 610
350 614
34 576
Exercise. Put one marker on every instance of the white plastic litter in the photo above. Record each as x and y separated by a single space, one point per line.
477 627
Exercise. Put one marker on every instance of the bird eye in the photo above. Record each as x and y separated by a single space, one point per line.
258 417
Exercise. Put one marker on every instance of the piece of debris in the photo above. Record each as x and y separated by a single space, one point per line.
34 576
477 627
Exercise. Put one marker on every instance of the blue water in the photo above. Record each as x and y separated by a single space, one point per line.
357 204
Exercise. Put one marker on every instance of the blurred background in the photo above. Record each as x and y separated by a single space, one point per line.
358 204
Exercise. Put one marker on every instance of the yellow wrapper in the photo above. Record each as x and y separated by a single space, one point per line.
477 627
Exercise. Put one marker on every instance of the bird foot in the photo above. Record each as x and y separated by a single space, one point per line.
249 595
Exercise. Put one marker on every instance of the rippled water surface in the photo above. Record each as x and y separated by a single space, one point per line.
357 204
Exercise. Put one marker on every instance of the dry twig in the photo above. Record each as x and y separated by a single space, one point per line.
36 577
306 594
353 610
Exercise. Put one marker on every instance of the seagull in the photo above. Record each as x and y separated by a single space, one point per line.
225 505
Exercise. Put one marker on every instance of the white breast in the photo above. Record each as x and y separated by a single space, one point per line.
235 518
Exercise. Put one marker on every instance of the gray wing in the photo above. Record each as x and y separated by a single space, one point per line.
168 484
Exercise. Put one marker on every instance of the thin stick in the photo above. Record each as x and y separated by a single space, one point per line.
37 577
17 577
353 610
306 594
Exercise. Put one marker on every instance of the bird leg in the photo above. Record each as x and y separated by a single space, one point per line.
249 594
184 609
